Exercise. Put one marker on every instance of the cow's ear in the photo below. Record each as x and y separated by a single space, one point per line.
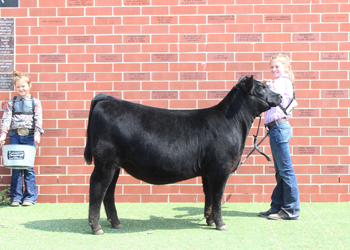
248 85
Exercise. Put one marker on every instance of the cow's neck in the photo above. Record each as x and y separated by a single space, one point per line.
237 110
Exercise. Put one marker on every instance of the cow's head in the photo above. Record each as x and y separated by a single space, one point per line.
262 98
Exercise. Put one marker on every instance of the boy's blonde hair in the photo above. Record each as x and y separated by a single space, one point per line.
18 76
284 59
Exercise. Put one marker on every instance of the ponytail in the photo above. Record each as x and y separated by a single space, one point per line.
18 76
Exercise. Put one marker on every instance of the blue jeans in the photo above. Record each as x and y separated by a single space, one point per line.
285 196
16 189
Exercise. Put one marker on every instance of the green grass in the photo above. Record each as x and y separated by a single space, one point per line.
174 226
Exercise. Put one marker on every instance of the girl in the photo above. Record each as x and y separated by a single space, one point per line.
285 203
23 117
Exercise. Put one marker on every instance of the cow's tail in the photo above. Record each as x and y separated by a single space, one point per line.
88 152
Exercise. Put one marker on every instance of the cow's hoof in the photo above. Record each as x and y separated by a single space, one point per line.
210 223
222 228
118 226
99 232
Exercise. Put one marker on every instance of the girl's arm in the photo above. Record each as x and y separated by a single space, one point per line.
6 121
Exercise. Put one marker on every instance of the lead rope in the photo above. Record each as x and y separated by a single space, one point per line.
255 146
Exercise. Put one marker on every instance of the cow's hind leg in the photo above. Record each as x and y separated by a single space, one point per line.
109 203
208 205
216 188
100 180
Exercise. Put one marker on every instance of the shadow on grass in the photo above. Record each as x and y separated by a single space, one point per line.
192 211
191 220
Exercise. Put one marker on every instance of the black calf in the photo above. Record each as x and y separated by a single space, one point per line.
161 146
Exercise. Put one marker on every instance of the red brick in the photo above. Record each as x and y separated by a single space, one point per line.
22 31
182 198
137 189
71 31
239 198
239 9
249 18
71 198
324 198
164 38
154 198
54 189
183 47
296 28
70 12
108 2
306 18
325 27
155 10
183 29
182 104
123 67
68 49
53 40
183 10
336 189
136 58
268 28
154 67
262 9
337 37
80 21
47 198
125 11
221 38
36 12
27 40
210 67
125 29
99 49
71 179
239 28
57 3
155 29
211 28
127 48
135 20
189 57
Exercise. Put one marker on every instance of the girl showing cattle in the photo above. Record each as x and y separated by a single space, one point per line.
285 203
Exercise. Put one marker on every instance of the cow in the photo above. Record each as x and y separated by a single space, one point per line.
162 146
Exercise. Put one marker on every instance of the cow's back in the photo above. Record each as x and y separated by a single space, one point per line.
153 144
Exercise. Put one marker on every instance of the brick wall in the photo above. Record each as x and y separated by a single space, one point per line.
184 54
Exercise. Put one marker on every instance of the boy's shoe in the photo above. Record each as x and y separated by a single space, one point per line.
27 203
281 215
14 204
267 213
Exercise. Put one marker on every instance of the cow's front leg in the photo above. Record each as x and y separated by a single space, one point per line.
109 203
217 187
99 183
208 205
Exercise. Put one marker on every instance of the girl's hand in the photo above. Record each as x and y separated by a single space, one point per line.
267 82
2 139
37 139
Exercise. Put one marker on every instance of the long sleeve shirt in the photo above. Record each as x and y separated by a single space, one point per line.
10 122
283 86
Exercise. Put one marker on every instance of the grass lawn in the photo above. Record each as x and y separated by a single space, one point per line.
174 226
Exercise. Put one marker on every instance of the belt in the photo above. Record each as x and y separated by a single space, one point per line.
271 124
23 131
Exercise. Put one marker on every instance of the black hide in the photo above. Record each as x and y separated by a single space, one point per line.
162 146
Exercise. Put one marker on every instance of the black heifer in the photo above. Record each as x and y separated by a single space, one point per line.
161 146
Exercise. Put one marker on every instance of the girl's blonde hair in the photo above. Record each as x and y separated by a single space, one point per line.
284 59
18 76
